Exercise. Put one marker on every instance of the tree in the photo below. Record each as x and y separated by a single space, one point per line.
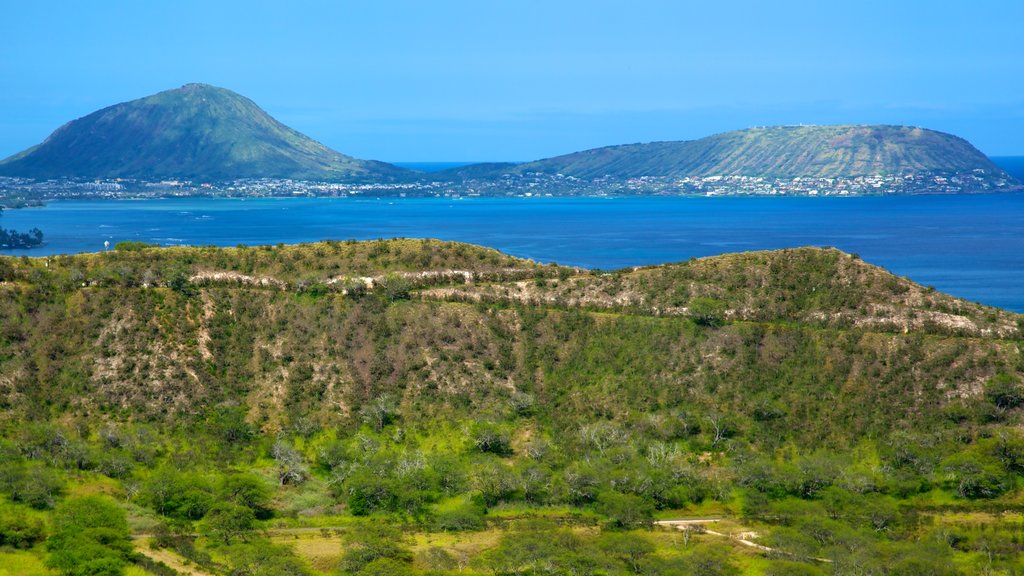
291 467
176 494
540 548
394 287
706 311
229 424
975 476
495 482
263 558
34 484
710 561
90 538
18 530
490 438
1005 391
625 510
630 549
227 521
247 490
380 412
14 239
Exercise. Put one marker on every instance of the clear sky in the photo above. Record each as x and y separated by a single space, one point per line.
482 80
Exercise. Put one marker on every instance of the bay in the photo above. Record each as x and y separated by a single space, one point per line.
971 246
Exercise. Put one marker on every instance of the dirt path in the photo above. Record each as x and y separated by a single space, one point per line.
686 521
172 560
743 538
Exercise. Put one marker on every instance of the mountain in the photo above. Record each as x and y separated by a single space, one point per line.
418 407
775 152
194 132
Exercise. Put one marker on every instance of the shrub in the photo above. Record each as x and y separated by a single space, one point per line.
18 530
226 521
974 477
369 543
625 510
247 490
90 538
133 246
707 311
465 517
490 438
264 558
1005 392
33 484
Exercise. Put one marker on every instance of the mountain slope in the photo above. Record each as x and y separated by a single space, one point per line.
393 406
780 152
196 131
435 348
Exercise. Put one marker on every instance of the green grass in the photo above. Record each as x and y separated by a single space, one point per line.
24 563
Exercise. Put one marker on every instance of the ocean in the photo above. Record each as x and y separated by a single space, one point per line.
971 246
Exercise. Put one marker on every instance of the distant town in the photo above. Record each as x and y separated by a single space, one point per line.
16 192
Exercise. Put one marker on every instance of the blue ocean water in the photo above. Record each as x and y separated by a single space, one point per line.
431 166
1014 165
970 246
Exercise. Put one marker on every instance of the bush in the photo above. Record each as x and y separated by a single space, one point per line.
90 538
247 490
133 246
380 412
33 484
263 558
370 543
489 438
1005 392
226 521
18 530
974 477
630 549
463 518
707 311
177 495
625 510
710 561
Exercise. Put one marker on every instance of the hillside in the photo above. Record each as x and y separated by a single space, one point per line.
423 407
777 152
821 287
193 132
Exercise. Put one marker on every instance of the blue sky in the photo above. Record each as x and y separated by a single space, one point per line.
501 80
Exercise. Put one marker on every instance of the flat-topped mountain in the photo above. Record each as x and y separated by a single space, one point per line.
196 131
778 152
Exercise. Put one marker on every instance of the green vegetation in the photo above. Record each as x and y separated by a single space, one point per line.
359 408
193 132
90 538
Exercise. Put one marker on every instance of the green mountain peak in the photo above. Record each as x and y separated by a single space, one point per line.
197 131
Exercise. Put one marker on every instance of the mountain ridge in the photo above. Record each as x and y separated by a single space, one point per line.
196 131
826 151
